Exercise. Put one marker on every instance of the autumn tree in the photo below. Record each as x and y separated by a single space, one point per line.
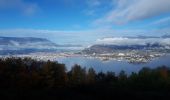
91 76
54 74
77 75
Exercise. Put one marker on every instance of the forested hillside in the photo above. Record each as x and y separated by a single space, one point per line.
31 79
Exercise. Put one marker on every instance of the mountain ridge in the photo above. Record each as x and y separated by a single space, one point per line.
108 45
22 45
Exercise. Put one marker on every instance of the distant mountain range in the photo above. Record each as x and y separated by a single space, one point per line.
107 45
24 45
15 43
19 45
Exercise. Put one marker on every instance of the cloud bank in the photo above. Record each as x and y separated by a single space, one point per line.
133 41
84 37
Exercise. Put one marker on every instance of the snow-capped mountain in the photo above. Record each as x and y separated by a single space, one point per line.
129 43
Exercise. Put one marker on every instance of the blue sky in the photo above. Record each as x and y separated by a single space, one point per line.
83 21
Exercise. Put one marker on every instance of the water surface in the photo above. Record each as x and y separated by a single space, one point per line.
113 65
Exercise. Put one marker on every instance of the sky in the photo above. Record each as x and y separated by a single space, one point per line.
83 21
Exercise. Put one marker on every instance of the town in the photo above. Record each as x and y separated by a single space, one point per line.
131 56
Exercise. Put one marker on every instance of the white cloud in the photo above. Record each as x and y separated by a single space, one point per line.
132 41
26 8
163 21
96 7
91 7
134 10
93 3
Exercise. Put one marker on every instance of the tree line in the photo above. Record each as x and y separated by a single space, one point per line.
26 74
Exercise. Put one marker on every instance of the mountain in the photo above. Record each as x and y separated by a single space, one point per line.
15 45
111 48
107 45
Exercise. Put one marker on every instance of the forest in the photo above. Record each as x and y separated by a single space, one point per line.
25 78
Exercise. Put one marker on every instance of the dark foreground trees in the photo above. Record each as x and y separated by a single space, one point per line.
31 79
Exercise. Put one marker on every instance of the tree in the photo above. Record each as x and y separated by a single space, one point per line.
111 77
59 74
122 75
91 76
54 74
101 77
77 75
